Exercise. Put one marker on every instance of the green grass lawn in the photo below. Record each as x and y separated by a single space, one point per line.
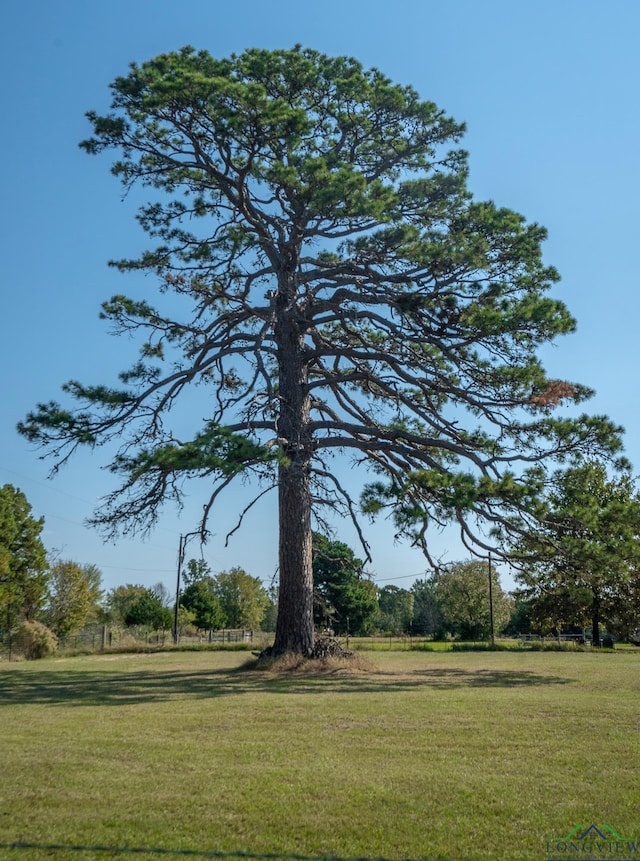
447 755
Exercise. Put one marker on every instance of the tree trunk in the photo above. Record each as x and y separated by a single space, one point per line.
595 619
294 626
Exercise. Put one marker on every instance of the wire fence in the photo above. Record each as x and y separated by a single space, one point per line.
104 638
95 639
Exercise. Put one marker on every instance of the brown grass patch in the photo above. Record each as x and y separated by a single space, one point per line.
298 664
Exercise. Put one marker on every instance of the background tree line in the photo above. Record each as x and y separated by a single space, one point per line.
66 596
579 569
62 594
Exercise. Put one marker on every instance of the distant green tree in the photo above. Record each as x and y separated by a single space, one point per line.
554 611
148 611
396 609
74 596
201 599
186 621
23 559
427 617
344 597
197 569
271 611
462 590
522 619
243 598
623 616
580 565
119 601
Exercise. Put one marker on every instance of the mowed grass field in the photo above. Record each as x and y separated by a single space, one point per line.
448 755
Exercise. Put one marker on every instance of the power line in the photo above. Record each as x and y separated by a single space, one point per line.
78 499
420 576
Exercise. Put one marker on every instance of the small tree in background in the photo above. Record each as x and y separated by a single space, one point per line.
271 611
462 591
427 617
162 592
396 609
23 559
580 565
119 601
243 599
186 622
74 596
197 569
522 620
345 599
148 611
201 598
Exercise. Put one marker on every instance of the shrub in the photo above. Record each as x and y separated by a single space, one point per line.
555 646
35 640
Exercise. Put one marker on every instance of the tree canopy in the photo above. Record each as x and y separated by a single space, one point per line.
148 610
242 598
327 284
23 558
462 593
396 608
581 564
345 599
74 595
199 596
119 601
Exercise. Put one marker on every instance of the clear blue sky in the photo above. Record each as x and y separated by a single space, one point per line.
549 90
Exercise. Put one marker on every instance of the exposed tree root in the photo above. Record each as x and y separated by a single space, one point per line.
328 655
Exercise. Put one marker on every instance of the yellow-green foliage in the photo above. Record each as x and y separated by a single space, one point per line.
34 640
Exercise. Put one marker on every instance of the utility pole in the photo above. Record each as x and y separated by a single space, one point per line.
182 548
493 638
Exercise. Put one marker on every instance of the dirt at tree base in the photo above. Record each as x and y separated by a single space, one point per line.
328 655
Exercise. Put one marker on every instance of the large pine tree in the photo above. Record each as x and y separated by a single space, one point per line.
347 295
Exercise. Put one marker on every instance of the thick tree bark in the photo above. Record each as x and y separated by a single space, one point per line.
294 626
595 619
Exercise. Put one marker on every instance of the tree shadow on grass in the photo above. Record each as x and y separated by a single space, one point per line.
451 677
95 851
100 688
